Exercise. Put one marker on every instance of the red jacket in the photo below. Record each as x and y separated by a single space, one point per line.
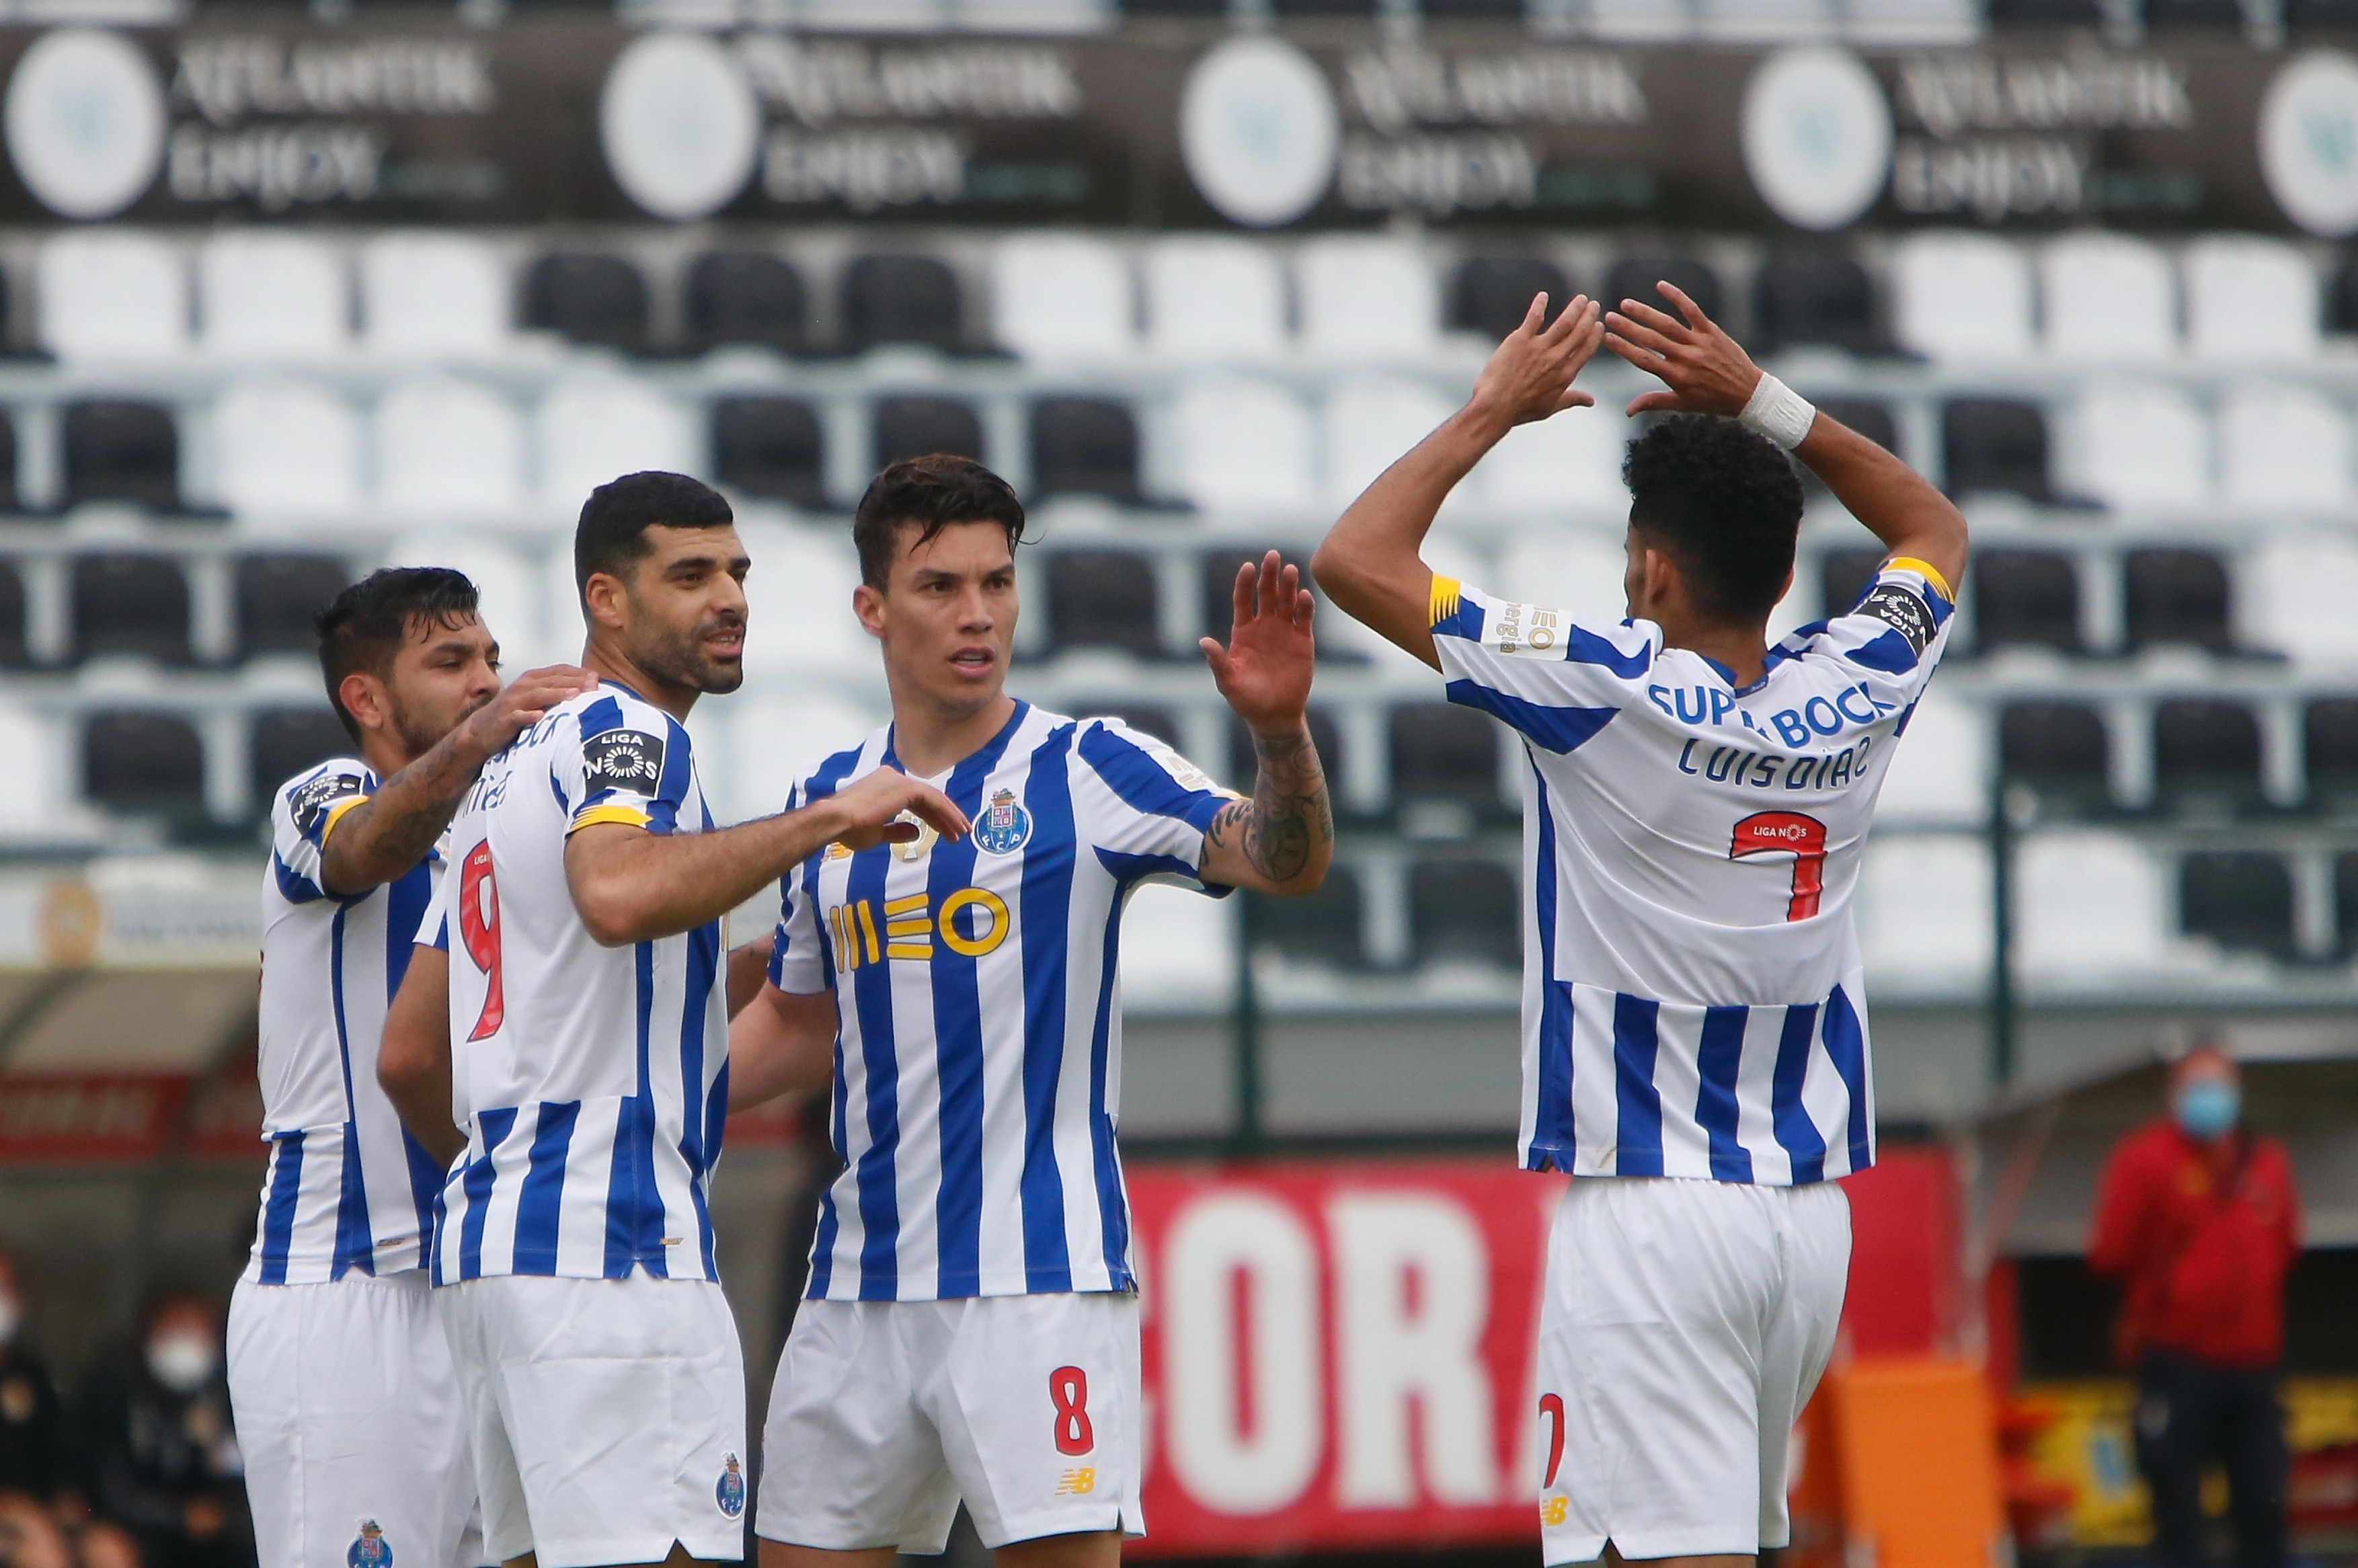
2200 1243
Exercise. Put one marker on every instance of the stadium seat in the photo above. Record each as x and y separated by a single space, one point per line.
16 649
265 294
1960 296
37 804
1889 23
1579 572
448 450
1213 296
1995 444
775 743
2240 899
589 297
2248 298
2090 905
744 297
1641 21
2107 297
1102 599
1570 463
2345 904
2206 752
1843 579
2302 16
770 448
798 603
898 297
1634 277
1241 445
2177 596
288 741
122 451
2211 13
285 449
2284 447
1441 751
2026 599
912 426
1488 295
1178 950
1940 772
1366 423
9 500
1083 445
1324 734
1322 927
1364 297
278 596
1462 909
1764 21
2295 597
1035 15
2047 13
2329 744
2140 444
1057 296
2060 748
111 294
1923 911
593 430
135 761
430 294
1814 295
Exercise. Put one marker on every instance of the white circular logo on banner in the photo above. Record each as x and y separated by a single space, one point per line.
1257 129
680 124
2309 142
85 123
1816 131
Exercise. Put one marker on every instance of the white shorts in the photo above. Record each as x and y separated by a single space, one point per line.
1685 1325
885 1413
608 1415
348 1414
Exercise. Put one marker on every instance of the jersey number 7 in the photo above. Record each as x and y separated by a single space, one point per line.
479 927
1789 833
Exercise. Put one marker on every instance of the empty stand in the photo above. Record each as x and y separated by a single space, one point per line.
1579 572
2060 748
2247 297
1465 910
912 426
2240 899
117 450
130 603
433 295
111 294
289 741
15 649
1940 772
1814 295
2295 592
1102 599
744 296
1570 463
9 500
1243 445
2026 598
1995 444
1924 907
2093 907
1322 927
1063 297
1364 297
1634 277
2177 596
770 448
284 447
593 430
1960 296
265 294
2215 15
1865 415
1368 422
2141 444
2107 297
902 298
1083 445
277 597
143 761
1441 751
2328 739
1843 579
450 449
2284 448
1488 296
798 609
2206 750
587 297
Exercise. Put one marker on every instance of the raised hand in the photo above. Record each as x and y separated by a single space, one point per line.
521 704
1707 372
1264 671
875 808
1529 373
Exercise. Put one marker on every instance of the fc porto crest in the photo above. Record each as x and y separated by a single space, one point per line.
369 1548
1004 827
729 1490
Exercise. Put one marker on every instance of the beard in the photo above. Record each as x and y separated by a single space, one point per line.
678 658
420 734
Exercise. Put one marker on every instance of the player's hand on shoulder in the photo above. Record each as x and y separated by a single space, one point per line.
1530 375
1707 372
521 704
874 807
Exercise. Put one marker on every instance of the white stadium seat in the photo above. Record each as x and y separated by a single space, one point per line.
2107 297
2091 906
1570 464
1961 296
2140 444
2282 446
433 296
1576 571
1941 771
798 601
265 295
1214 297
1366 299
1178 949
2294 596
2250 298
450 449
1063 297
1368 423
36 804
285 447
594 430
1241 443
773 744
111 294
1923 910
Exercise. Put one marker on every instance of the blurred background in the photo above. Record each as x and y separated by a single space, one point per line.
295 290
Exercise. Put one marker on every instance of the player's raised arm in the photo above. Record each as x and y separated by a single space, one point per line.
1707 372
1368 563
1281 839
412 1062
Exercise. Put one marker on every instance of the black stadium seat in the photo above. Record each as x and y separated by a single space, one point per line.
915 426
2177 596
2345 904
142 760
2240 899
1102 599
2212 14
1083 445
1814 295
1995 444
277 597
587 297
2329 743
289 741
770 448
1633 277
2047 13
1488 295
130 603
1864 414
1441 751
2060 748
1322 927
1843 577
120 450
1323 735
15 651
900 298
2026 598
1463 908
8 502
746 297
2206 750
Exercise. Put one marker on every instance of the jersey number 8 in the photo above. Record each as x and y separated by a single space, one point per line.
479 928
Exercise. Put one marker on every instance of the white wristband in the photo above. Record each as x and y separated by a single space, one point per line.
1778 412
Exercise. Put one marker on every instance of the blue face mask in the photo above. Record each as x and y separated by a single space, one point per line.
2207 1108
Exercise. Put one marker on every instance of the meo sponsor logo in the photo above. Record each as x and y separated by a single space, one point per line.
1527 630
971 923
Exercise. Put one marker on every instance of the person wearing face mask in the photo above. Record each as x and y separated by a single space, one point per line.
31 1435
157 1457
2198 1219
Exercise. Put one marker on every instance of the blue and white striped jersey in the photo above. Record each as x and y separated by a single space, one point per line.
1692 1003
592 1082
978 1050
347 1187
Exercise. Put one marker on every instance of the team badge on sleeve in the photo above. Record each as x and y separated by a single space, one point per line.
729 1490
369 1548
309 802
1005 825
630 760
1903 612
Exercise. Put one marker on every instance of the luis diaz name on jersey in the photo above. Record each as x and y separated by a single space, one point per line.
971 922
627 759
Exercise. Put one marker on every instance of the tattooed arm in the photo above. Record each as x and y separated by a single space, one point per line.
1281 839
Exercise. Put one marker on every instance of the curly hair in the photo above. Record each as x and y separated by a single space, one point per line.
1724 503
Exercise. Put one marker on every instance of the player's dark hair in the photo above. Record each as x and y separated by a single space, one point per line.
613 532
1725 504
364 626
933 492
